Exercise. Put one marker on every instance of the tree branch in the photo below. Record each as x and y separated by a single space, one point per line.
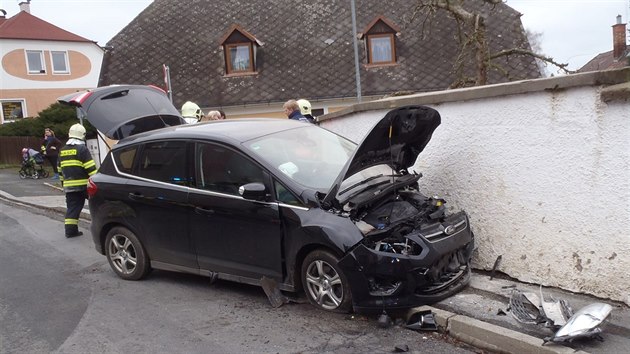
515 51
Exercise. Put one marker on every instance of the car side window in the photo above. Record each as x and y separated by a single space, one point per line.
124 158
283 195
223 170
164 161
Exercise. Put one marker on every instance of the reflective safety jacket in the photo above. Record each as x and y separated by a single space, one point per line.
75 166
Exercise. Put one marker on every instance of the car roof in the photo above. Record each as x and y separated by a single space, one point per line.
230 130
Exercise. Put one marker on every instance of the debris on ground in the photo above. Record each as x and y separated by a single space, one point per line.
558 316
422 321
401 348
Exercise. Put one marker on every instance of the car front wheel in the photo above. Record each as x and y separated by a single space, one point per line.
125 254
324 283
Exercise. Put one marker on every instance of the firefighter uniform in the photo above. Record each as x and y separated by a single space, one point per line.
76 166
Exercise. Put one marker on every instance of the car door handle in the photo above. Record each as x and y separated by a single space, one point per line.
136 196
200 210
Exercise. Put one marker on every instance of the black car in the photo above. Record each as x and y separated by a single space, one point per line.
254 199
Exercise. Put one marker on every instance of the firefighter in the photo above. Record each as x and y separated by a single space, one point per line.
76 166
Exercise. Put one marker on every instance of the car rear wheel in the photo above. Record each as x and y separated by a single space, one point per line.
324 283
125 254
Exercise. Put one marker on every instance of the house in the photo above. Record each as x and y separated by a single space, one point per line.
617 58
40 62
248 59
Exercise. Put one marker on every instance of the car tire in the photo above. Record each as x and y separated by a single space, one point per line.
125 254
324 283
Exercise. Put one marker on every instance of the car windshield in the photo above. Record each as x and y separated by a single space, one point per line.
309 155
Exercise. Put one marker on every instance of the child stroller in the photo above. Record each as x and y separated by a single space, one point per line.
32 165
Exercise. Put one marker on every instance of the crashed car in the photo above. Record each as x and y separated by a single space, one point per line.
252 199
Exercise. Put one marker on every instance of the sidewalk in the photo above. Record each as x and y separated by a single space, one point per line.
471 316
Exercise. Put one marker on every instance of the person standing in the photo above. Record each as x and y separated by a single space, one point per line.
292 110
50 149
76 166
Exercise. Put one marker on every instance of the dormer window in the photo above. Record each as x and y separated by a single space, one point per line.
380 41
240 49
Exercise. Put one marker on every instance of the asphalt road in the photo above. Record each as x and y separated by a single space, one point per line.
59 295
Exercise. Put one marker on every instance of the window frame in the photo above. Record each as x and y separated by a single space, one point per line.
228 58
66 62
392 41
6 118
30 71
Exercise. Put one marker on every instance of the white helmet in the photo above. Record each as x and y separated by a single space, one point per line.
305 106
77 131
191 110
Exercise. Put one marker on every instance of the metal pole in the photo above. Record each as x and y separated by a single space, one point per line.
357 73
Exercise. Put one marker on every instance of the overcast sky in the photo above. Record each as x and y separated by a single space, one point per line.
573 31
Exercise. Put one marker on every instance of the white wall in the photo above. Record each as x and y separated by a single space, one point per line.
544 175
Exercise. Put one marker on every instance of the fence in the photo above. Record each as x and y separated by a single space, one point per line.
11 148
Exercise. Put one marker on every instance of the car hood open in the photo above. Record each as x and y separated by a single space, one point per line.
120 111
397 140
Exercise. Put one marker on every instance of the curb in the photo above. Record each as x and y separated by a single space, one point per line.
487 336
59 210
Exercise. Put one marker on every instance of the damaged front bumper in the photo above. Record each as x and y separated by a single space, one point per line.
438 268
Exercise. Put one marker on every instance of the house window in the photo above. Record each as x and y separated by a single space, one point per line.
35 61
60 62
380 41
12 110
381 49
240 48
239 58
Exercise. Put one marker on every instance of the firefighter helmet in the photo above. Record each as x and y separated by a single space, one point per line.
191 110
77 131
305 106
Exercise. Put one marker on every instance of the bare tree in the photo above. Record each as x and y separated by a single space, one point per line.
472 38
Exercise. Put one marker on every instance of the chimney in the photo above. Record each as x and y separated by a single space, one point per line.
25 6
619 38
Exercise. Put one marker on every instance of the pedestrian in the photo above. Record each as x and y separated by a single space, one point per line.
212 115
191 112
50 149
77 166
305 109
292 111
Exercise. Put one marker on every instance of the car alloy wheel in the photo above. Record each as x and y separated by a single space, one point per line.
125 254
324 283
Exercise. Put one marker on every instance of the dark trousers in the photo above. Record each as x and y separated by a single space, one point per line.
53 162
74 204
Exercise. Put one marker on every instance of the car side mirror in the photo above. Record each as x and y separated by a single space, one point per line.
253 191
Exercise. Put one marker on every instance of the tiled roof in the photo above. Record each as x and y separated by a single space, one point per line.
26 26
307 52
606 61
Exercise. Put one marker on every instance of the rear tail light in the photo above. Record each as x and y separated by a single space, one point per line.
91 188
